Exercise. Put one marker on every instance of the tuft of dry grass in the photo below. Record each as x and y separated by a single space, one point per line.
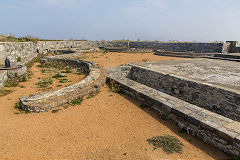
169 144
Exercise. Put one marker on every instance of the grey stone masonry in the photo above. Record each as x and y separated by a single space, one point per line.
45 101
210 84
219 131
28 50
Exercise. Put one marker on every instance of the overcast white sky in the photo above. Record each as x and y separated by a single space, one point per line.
182 20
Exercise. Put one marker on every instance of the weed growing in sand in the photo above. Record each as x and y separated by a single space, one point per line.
58 75
18 106
169 144
44 83
5 92
22 86
64 80
76 102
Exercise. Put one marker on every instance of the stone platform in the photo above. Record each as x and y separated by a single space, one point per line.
197 95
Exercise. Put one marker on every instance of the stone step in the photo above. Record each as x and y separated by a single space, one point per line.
214 129
183 54
231 56
226 59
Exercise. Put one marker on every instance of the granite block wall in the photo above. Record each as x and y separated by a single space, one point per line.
220 101
181 47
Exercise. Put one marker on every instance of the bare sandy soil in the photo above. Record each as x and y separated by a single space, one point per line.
108 126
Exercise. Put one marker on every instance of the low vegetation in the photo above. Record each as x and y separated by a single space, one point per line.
18 106
11 38
44 83
4 92
169 144
13 82
76 102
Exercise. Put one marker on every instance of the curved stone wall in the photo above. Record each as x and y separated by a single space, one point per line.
45 101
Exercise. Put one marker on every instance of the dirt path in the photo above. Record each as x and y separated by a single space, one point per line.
107 126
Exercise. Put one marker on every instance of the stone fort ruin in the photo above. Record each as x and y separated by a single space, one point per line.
201 95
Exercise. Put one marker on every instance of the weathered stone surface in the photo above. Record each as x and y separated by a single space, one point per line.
201 82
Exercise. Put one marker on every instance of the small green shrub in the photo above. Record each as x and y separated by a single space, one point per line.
17 105
22 86
76 102
168 143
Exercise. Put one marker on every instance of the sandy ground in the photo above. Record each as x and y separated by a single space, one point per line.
108 126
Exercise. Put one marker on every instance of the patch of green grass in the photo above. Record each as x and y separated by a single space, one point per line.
124 154
67 70
22 86
64 80
44 83
5 92
169 144
110 95
18 106
76 102
58 75
59 85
